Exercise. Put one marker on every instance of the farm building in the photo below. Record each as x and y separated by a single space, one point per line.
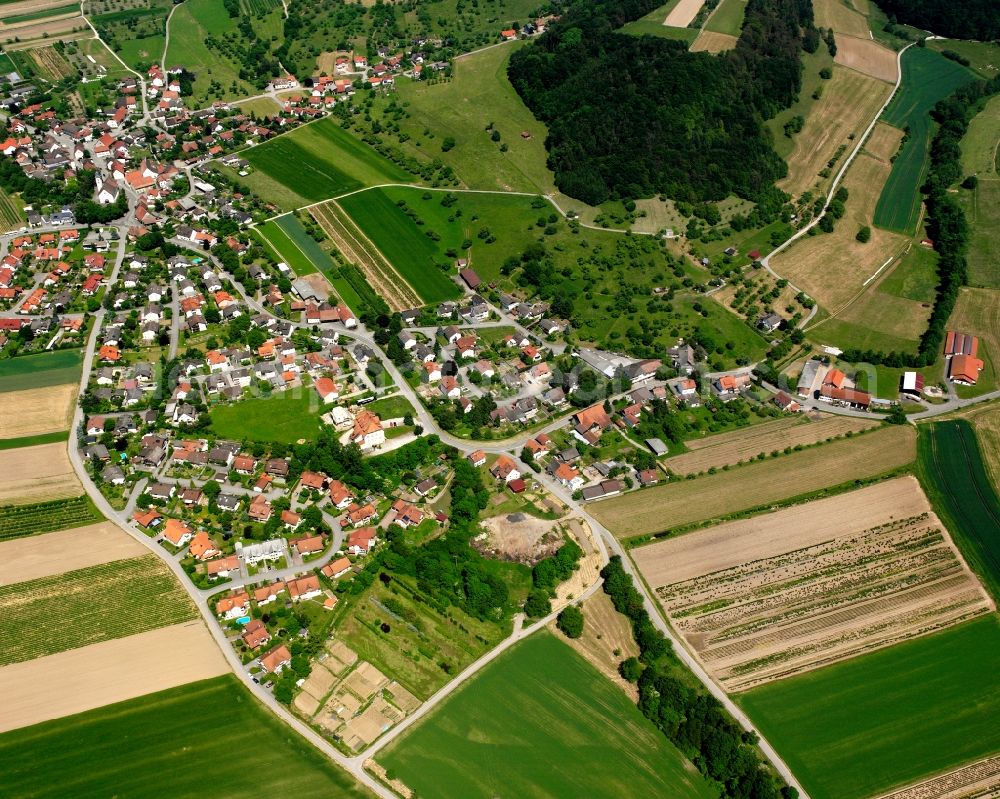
960 344
845 396
912 383
965 369
807 380
472 280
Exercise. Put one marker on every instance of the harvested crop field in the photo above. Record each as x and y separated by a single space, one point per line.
36 474
86 606
111 671
605 633
37 410
761 599
682 14
847 106
842 18
728 449
683 502
712 42
63 551
867 57
833 267
981 778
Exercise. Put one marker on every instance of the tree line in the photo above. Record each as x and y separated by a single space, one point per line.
946 223
693 720
953 19
633 116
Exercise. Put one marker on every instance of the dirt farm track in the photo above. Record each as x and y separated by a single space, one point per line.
763 598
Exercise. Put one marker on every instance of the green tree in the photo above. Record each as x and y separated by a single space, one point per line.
630 669
537 604
864 235
570 621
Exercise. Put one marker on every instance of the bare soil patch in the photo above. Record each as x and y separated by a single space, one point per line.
54 553
764 598
981 778
520 537
606 641
837 15
37 410
35 474
741 445
112 671
866 56
833 267
850 100
682 14
681 502
712 42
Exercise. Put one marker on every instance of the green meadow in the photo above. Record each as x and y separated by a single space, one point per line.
861 727
540 721
40 370
285 417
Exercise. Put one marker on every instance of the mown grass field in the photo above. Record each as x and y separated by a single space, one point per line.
977 311
927 77
951 469
41 370
861 727
407 246
728 18
762 483
540 722
284 417
17 521
191 741
982 204
315 162
461 108
297 234
284 248
98 603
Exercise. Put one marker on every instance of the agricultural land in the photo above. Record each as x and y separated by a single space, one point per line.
37 474
286 418
540 721
316 162
764 598
134 737
890 718
758 484
953 471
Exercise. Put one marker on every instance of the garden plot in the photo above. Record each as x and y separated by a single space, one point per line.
768 597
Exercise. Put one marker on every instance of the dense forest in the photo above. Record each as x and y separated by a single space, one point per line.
946 222
955 19
633 116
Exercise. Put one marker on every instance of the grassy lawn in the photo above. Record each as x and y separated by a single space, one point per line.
982 205
98 603
984 57
40 370
408 247
191 25
951 469
728 18
927 77
315 162
185 742
914 277
861 727
285 417
390 407
540 721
